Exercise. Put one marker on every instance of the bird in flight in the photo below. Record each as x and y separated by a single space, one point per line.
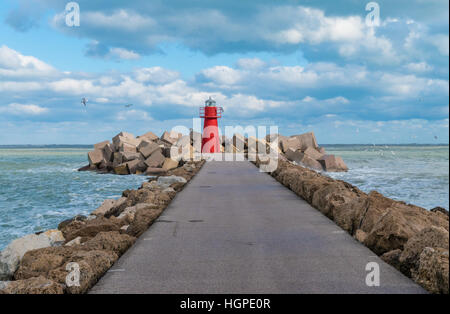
129 105
84 101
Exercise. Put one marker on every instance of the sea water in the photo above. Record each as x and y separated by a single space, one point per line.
40 187
416 174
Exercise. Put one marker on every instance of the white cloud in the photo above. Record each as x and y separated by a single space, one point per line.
121 53
250 63
155 75
133 115
419 67
222 75
23 109
15 65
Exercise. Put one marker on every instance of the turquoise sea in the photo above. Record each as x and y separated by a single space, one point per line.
40 187
416 174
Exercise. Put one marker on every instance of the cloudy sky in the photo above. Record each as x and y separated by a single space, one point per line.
301 65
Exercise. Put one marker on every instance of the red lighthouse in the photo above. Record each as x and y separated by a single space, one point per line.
210 138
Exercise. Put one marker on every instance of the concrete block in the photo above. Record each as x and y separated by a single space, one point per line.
118 140
121 169
306 140
124 135
290 143
147 148
167 137
133 165
313 153
169 164
303 159
149 136
125 147
101 145
155 160
117 159
127 156
108 152
95 157
333 163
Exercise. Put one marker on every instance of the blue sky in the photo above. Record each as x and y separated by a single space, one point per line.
301 65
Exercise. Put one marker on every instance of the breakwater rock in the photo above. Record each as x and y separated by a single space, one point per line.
145 154
152 155
410 238
39 264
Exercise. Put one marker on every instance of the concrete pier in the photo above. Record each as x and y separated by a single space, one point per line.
234 229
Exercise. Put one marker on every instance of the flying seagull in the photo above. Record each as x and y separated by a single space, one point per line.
84 101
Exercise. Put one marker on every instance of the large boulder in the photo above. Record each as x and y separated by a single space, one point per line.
10 257
433 270
135 165
107 205
392 258
307 140
435 237
144 217
398 224
64 223
52 263
95 157
170 138
122 169
343 203
108 152
110 241
129 156
302 158
34 285
150 136
147 148
333 163
290 143
89 228
169 164
313 153
117 159
101 145
156 159
126 147
55 236
120 141
171 179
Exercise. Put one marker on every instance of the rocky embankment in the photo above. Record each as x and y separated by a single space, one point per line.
410 238
40 263
303 150
145 154
151 155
